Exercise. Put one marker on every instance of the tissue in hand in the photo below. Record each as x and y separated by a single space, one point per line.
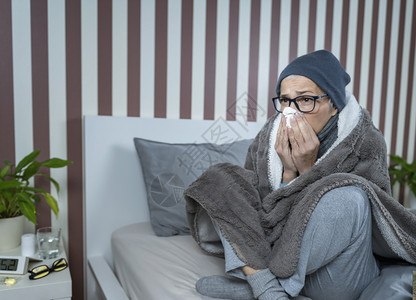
289 114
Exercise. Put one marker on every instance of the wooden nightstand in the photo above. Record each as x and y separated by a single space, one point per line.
57 285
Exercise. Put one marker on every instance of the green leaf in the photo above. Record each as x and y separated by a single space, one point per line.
27 198
2 207
28 209
52 203
55 183
30 189
4 171
31 170
36 198
51 180
27 160
397 159
8 195
55 163
9 184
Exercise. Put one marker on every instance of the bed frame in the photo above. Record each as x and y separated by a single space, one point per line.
114 191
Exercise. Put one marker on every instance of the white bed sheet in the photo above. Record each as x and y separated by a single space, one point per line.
153 268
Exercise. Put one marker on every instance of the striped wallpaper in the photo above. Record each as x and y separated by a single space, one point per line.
196 59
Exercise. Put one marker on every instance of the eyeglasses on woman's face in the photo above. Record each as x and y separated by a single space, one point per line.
304 103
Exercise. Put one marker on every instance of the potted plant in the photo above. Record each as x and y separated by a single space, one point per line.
403 172
17 197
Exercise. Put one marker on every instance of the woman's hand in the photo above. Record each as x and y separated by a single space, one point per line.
297 147
304 143
283 149
247 270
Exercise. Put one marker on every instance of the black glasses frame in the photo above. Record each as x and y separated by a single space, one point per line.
277 99
57 266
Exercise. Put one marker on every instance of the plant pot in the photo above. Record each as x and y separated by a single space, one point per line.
11 230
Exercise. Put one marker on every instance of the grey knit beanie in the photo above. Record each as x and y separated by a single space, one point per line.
323 68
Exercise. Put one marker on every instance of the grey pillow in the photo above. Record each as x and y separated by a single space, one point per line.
168 169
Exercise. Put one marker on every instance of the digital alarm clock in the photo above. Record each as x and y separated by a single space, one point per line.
13 265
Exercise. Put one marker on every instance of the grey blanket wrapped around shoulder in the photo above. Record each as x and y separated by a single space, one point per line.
264 223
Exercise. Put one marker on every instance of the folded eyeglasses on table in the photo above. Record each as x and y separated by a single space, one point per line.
43 270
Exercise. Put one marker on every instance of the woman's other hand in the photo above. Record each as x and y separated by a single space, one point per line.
303 142
283 149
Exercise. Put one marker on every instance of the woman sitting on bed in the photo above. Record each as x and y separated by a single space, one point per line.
298 218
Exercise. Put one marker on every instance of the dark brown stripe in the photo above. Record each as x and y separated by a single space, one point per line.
232 59
253 61
7 150
210 59
358 49
40 98
274 54
133 52
399 59
344 30
294 30
105 57
186 59
161 57
74 144
312 25
386 54
373 52
410 94
328 24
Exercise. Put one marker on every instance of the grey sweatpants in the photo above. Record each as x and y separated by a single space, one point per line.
336 259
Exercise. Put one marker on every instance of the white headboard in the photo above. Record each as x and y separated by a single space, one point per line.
114 192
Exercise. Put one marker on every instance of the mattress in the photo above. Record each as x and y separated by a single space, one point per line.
153 268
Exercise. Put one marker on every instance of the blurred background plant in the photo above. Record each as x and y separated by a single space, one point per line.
403 172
